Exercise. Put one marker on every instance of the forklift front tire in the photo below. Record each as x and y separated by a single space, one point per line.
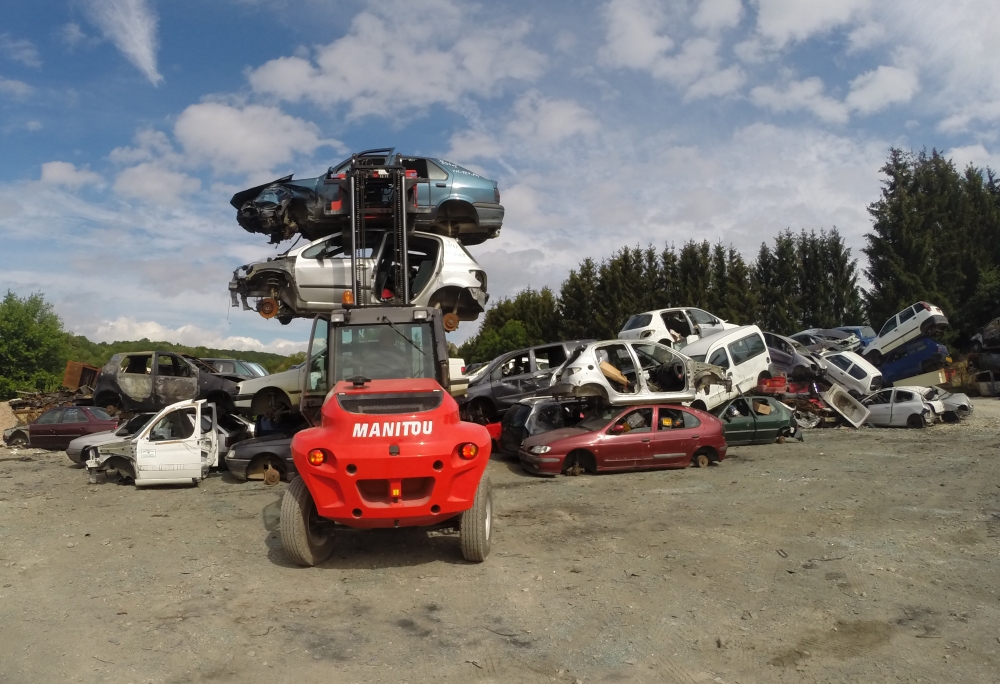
302 533
476 527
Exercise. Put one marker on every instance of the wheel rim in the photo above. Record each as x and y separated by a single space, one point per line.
489 516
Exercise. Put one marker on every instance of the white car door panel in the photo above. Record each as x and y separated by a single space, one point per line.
174 447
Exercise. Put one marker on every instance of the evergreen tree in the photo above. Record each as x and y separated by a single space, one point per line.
577 302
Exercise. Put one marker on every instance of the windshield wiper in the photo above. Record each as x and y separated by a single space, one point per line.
400 333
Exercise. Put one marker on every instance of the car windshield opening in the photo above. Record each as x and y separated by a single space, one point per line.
383 352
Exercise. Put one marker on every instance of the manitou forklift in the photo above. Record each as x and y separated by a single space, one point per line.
387 447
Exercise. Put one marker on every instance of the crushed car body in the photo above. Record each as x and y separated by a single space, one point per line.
441 197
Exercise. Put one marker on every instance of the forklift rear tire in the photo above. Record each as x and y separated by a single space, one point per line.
476 527
304 541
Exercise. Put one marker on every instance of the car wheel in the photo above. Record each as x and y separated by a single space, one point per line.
18 439
476 526
304 534
874 357
701 459
916 421
977 347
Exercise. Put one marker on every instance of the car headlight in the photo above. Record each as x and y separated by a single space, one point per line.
540 449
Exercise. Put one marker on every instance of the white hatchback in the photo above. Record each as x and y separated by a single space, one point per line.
674 327
902 407
853 372
921 319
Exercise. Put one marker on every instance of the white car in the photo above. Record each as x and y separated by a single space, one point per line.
921 319
271 393
624 372
853 372
313 278
741 353
674 327
955 406
901 407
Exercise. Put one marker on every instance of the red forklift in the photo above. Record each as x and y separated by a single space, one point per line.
387 447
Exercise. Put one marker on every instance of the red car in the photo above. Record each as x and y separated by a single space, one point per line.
389 453
627 438
57 427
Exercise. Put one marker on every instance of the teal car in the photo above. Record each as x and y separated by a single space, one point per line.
756 420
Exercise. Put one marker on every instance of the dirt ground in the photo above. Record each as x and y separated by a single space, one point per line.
858 556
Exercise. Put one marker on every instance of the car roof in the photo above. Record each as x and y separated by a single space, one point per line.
702 346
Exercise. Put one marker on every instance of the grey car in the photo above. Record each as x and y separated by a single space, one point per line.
840 339
442 198
313 278
79 447
791 358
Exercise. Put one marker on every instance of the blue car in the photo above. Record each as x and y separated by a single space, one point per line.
921 355
865 333
441 197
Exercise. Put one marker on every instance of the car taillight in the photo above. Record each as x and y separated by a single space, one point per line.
316 457
410 173
468 451
925 305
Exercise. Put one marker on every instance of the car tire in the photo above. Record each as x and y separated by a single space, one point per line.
18 439
916 421
976 347
303 542
476 525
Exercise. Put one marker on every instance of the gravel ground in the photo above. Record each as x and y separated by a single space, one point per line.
858 556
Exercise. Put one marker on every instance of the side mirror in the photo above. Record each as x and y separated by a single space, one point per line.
617 429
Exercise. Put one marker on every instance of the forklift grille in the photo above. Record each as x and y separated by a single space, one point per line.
396 402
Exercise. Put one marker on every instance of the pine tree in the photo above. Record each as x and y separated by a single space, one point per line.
577 298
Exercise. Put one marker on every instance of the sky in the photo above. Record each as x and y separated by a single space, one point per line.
127 125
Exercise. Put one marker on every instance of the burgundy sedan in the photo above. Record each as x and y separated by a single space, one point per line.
56 428
627 438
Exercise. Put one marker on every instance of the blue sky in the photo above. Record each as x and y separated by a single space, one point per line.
126 125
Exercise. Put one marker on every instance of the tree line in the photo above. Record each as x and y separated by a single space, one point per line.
935 237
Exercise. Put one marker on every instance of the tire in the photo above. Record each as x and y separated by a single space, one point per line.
701 459
476 526
303 543
976 347
19 439
916 421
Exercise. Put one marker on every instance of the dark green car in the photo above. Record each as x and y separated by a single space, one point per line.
756 420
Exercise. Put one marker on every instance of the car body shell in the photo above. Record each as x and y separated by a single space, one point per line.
511 377
955 406
864 333
313 278
986 383
838 339
245 370
743 356
664 437
391 455
258 396
755 420
533 416
274 448
854 372
900 407
58 427
151 381
988 336
921 319
792 359
814 343
441 197
674 327
625 372
77 449
918 356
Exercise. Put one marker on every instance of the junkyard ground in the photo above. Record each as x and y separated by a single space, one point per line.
858 556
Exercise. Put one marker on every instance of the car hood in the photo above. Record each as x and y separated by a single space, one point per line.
266 439
546 438
95 439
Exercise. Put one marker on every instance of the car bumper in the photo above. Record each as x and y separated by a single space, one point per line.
237 467
541 464
489 214
76 455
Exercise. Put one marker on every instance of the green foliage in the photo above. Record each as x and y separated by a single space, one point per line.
32 345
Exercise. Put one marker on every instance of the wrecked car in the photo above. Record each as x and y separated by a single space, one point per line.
313 278
921 319
865 333
675 327
535 415
916 357
756 420
988 337
625 372
901 407
242 369
956 406
83 448
268 455
986 383
57 427
834 338
742 355
853 372
634 438
179 445
511 377
792 359
441 197
150 381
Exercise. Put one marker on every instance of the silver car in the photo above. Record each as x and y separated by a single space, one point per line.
313 278
626 372
78 449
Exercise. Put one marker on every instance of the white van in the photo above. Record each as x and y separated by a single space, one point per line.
742 352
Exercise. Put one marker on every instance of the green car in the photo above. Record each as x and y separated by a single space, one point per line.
756 420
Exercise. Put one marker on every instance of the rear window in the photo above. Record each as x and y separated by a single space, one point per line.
638 321
744 349
516 417
906 315
100 414
857 372
839 361
867 332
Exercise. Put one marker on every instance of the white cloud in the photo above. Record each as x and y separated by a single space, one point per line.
72 35
977 155
718 84
544 121
126 328
15 88
131 26
713 15
801 95
245 140
66 174
33 125
151 182
784 21
19 50
473 145
430 52
875 90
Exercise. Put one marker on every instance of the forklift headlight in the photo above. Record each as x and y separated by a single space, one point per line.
420 314
338 317
468 451
316 457
540 449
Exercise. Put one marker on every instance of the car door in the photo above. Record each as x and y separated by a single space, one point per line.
440 183
738 422
627 441
73 423
888 334
782 355
619 370
172 446
507 378
905 404
768 417
173 379
135 380
879 406
662 374
706 322
675 439
41 433
838 366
